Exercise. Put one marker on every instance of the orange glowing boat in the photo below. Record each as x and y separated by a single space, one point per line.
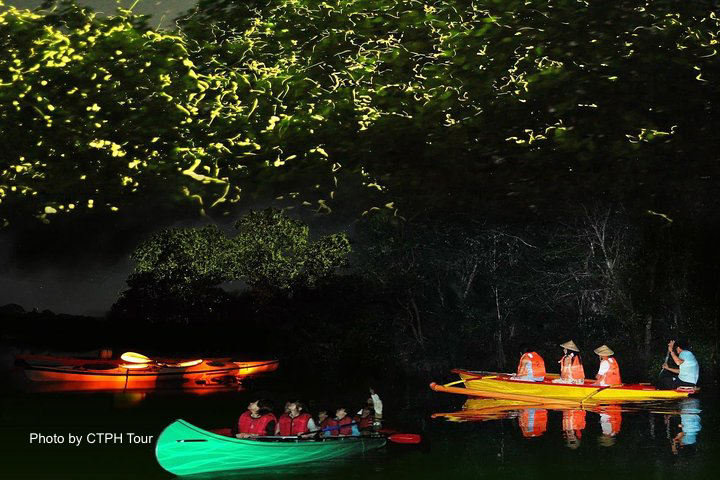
137 371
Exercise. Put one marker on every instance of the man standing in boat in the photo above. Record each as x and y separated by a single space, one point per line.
688 371
531 367
609 371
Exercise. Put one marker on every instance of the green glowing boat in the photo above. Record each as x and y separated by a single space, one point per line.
184 449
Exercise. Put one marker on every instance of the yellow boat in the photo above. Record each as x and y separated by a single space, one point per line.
502 386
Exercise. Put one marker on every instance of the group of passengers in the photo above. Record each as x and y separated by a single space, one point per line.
532 367
259 420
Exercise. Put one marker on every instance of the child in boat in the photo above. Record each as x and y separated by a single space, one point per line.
295 421
322 419
609 371
531 367
341 425
571 368
258 420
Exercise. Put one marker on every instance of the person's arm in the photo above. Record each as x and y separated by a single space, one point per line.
270 429
674 370
355 431
311 425
377 403
671 349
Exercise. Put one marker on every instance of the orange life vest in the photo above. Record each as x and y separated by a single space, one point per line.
533 422
344 424
612 376
257 426
288 425
538 365
574 371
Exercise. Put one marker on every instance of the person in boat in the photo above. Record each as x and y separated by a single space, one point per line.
531 367
322 419
376 406
365 419
571 367
609 371
295 421
342 425
258 420
688 371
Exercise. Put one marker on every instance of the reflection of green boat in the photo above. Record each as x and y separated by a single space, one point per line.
184 449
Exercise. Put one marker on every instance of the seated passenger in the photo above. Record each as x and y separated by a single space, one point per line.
365 419
258 420
341 425
295 421
571 368
609 371
531 367
688 371
322 419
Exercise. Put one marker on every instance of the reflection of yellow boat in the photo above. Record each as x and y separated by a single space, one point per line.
501 386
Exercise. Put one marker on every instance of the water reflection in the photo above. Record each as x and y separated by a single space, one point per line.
682 419
689 425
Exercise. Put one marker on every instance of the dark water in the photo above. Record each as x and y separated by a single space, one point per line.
658 441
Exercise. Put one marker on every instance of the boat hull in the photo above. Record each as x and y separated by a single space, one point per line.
501 386
116 375
184 449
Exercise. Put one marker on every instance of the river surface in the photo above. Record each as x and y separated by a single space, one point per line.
461 438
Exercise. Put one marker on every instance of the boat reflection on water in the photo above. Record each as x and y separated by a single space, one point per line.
533 418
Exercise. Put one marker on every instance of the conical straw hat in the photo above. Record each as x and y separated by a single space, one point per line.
570 346
604 351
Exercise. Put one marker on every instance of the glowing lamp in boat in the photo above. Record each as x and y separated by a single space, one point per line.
132 357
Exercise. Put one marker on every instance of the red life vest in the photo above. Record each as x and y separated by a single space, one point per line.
288 425
256 426
538 365
364 422
612 376
344 424
574 371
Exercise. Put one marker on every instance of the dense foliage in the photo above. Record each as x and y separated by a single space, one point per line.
178 271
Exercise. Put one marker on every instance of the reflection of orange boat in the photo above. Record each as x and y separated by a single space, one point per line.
118 374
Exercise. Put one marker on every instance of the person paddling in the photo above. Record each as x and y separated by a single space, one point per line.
688 371
341 425
571 367
609 371
531 367
295 421
258 420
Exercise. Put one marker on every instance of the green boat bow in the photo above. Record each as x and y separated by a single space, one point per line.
184 449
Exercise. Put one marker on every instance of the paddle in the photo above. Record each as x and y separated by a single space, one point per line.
667 357
403 438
